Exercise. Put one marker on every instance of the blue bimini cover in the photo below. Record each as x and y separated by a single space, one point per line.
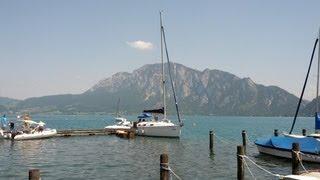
317 121
144 115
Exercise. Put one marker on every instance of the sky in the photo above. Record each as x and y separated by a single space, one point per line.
67 46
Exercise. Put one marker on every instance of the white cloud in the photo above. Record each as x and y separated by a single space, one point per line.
141 45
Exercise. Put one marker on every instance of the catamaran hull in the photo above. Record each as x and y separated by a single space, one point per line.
160 131
287 153
37 135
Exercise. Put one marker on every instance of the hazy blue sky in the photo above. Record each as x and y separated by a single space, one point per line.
66 46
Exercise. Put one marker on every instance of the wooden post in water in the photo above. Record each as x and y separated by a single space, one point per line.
135 124
304 132
276 133
295 158
240 163
244 141
164 164
211 140
34 174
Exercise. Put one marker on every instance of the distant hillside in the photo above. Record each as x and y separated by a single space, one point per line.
309 109
4 101
206 92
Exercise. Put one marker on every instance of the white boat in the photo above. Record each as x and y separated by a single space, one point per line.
309 145
281 146
31 130
20 135
163 127
121 122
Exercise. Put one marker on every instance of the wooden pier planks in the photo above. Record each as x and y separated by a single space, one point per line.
129 133
81 132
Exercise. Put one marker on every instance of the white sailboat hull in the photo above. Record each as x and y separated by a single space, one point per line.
47 133
160 131
287 154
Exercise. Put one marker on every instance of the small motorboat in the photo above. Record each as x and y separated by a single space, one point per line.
121 124
30 130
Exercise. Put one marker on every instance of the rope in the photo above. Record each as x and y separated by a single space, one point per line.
277 175
298 154
245 163
169 169
225 140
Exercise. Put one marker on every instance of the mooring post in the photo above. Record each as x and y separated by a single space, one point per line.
244 141
304 132
211 140
164 165
135 124
240 163
34 174
276 133
295 158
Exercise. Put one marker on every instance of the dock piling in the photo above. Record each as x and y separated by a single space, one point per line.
135 125
295 153
240 163
164 165
304 132
211 140
244 141
34 174
276 133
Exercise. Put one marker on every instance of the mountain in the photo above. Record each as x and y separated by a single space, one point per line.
310 108
4 101
210 92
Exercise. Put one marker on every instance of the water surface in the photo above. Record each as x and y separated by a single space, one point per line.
110 157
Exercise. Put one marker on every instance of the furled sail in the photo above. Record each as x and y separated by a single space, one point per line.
155 111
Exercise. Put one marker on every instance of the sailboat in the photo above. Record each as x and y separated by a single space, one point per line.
121 122
309 145
161 127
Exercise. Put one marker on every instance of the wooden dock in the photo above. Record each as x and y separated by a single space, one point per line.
81 132
128 133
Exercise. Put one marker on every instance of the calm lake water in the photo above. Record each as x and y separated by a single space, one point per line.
110 157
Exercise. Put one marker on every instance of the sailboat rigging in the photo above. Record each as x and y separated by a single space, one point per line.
163 127
170 76
304 87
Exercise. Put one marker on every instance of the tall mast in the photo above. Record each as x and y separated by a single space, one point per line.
170 76
162 68
317 101
304 86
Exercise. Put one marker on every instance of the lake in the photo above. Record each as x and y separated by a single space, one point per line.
110 157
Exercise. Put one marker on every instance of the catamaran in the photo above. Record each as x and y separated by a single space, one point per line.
309 145
121 122
30 130
161 127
